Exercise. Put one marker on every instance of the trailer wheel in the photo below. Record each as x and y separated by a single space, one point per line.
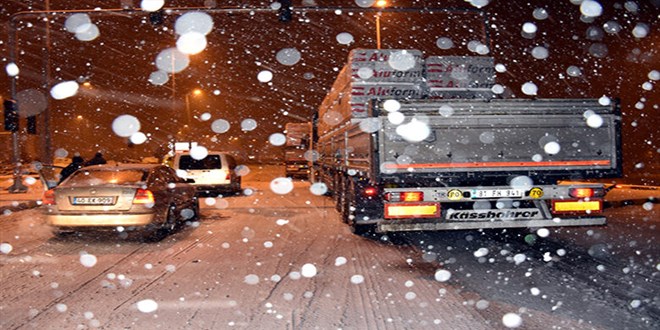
363 230
339 192
348 200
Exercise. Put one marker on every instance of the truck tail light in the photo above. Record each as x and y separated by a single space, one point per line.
412 196
405 196
370 191
48 197
586 192
143 196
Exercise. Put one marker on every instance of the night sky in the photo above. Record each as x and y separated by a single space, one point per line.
246 39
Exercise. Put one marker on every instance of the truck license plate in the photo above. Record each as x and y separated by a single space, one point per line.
93 200
497 193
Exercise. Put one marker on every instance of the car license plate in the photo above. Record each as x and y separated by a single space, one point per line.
497 193
101 200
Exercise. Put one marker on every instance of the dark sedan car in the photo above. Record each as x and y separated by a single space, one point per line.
127 197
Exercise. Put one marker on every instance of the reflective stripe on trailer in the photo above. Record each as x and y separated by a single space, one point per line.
577 206
412 210
593 162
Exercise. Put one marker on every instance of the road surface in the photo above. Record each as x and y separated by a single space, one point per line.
287 262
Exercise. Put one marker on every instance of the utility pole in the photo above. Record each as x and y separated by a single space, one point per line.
17 186
47 154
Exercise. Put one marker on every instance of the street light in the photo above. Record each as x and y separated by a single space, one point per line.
194 92
380 4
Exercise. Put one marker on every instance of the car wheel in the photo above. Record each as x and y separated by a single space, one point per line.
195 208
156 232
171 222
238 189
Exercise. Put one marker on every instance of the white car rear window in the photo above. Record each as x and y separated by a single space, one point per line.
84 177
208 163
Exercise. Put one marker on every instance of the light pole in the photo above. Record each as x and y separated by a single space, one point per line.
380 4
194 92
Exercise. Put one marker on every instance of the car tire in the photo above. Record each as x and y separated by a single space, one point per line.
156 232
195 208
237 186
171 222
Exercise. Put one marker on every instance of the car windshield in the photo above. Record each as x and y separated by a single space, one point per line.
209 162
112 177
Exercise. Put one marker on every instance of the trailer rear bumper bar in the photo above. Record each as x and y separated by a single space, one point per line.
392 226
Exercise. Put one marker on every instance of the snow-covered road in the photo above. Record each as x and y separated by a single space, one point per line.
287 262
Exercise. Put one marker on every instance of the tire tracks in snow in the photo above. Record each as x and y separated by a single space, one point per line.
292 232
42 311
146 286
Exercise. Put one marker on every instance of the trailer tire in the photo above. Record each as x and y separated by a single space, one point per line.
350 206
348 201
339 192
368 230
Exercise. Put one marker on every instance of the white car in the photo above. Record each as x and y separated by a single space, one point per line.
213 175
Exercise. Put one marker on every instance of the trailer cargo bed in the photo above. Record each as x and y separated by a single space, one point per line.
467 140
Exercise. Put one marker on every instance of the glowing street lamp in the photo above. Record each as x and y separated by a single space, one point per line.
380 4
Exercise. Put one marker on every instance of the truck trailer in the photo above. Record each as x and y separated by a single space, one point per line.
454 156
296 150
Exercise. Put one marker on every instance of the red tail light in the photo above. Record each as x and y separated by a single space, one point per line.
586 192
370 191
412 196
580 192
48 198
405 196
228 176
143 196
